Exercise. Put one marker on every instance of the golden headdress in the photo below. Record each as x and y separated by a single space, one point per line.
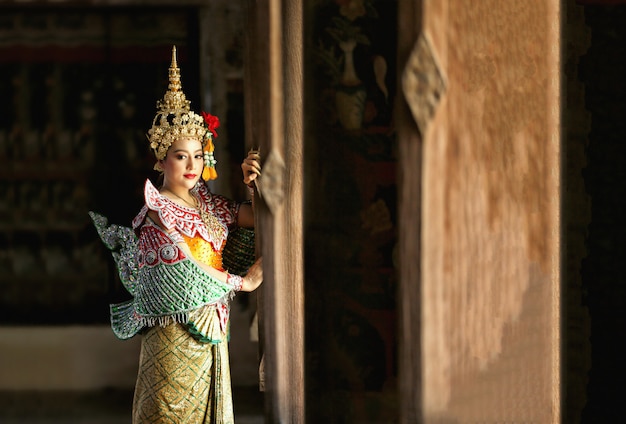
175 119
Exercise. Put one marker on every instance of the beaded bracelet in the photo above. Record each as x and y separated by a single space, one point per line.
235 280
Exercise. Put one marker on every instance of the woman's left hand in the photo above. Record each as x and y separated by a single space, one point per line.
251 167
254 277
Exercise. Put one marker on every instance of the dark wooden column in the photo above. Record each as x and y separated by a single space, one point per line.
274 122
409 211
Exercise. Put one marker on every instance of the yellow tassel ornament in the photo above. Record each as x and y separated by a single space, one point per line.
209 172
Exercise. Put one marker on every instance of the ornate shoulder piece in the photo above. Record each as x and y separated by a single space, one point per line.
123 244
155 247
187 221
166 286
173 216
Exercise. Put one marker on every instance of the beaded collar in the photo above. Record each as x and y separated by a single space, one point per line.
186 220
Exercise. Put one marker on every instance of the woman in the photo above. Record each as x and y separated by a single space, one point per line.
171 263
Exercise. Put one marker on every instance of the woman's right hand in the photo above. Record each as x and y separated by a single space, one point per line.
254 277
251 167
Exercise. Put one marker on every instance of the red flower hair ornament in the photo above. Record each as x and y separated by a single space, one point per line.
212 122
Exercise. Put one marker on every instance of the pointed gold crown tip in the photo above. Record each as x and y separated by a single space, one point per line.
174 64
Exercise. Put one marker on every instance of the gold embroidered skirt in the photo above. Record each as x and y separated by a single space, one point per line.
182 380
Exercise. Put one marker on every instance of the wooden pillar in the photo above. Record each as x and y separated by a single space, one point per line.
409 215
483 87
275 124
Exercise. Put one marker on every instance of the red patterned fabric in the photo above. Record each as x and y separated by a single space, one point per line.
155 246
187 221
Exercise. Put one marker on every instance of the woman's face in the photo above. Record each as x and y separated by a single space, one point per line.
183 164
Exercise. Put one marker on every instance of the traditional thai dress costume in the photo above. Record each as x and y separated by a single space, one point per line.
181 311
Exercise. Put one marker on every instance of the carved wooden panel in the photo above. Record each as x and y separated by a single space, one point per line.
423 84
